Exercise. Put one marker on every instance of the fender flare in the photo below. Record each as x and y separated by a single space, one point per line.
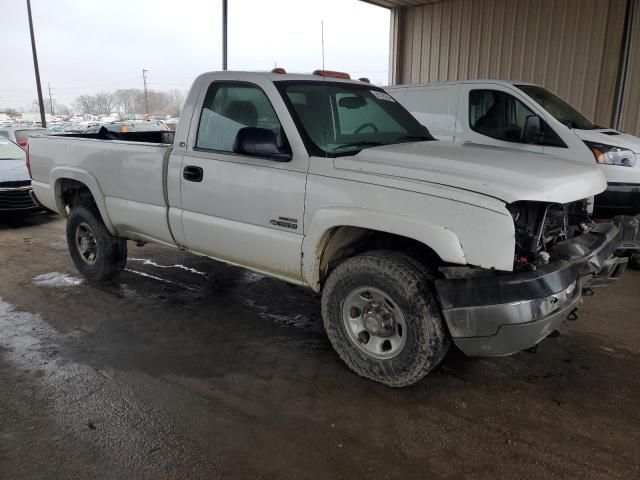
442 240
62 173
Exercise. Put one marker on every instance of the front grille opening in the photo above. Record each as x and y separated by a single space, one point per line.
539 226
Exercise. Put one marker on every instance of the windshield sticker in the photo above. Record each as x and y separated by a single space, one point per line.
382 95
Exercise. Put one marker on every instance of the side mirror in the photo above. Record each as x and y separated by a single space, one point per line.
532 132
260 142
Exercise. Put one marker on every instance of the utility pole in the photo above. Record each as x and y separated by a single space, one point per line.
43 117
224 34
146 97
50 99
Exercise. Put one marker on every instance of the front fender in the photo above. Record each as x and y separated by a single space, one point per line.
60 173
440 239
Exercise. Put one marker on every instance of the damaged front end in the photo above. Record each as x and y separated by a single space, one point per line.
545 232
559 251
540 226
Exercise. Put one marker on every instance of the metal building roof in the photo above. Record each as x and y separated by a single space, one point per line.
400 3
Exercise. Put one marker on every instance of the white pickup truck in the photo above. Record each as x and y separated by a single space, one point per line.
330 183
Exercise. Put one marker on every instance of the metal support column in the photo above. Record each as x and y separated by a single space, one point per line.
623 72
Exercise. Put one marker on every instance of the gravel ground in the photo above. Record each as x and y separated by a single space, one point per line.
186 369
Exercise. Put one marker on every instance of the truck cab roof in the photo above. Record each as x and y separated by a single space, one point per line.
278 77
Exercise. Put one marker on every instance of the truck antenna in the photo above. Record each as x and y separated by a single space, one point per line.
322 40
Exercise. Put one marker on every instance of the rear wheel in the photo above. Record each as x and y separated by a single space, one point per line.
381 316
98 255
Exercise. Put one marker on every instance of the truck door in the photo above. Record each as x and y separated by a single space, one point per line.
492 115
237 208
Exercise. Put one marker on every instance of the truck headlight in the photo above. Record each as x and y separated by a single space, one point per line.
610 155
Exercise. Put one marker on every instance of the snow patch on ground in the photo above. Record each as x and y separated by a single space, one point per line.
57 279
252 277
146 261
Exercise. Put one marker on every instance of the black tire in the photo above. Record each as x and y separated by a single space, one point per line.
110 255
634 261
411 288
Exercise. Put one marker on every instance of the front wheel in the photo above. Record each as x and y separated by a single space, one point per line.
382 318
98 255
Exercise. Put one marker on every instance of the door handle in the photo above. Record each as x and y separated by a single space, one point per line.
192 173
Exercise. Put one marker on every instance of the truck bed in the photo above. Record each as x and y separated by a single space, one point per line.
164 137
130 174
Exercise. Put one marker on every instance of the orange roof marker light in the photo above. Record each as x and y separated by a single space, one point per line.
279 70
332 74
364 79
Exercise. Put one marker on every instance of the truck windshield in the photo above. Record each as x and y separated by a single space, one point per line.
561 110
10 151
338 118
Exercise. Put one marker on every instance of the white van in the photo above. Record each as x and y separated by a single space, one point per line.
523 116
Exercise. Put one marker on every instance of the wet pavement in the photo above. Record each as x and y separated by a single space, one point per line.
186 368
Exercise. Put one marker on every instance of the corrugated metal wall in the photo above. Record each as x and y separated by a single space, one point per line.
630 113
572 47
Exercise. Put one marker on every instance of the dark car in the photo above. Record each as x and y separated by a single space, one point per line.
15 183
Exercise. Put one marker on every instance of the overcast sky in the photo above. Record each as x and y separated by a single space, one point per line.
87 46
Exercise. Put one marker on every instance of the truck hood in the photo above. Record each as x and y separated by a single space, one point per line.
508 175
612 137
13 171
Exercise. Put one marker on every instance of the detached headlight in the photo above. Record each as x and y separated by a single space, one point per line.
610 155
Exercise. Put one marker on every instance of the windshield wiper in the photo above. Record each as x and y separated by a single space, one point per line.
575 126
359 144
415 138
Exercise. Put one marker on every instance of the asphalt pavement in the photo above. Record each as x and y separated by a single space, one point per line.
185 368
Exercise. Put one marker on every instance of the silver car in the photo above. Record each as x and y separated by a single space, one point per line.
15 183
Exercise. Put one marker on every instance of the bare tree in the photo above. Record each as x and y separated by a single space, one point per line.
126 99
85 104
63 110
176 100
130 101
104 103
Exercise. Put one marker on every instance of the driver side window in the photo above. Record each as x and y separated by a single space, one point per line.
227 108
499 115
